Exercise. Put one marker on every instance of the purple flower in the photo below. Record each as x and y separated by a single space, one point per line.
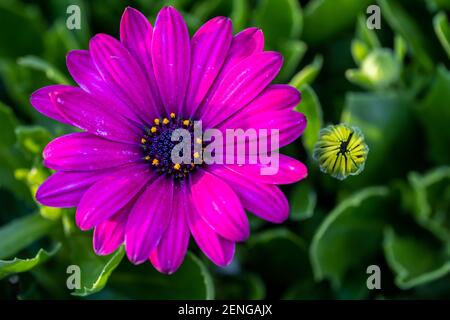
132 95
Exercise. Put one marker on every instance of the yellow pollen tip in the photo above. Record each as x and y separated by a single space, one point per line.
177 166
143 140
196 155
165 121
172 115
155 162
147 158
156 121
153 129
186 122
198 141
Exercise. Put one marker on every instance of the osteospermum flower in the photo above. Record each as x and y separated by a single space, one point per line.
131 95
341 151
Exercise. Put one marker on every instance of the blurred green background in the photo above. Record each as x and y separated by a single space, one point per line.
393 83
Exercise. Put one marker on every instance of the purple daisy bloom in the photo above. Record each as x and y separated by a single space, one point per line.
131 95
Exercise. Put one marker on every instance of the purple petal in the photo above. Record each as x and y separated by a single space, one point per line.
219 206
109 234
290 171
124 75
85 73
263 200
276 97
42 102
91 115
136 35
241 85
149 219
245 44
218 249
170 252
109 195
171 58
271 110
85 151
65 189
210 46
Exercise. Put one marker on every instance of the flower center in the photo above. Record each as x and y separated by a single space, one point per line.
157 146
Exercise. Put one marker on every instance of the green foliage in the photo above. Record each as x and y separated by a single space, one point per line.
392 83
326 18
287 16
434 115
442 29
8 267
311 108
361 218
379 69
413 260
95 269
304 200
22 232
191 281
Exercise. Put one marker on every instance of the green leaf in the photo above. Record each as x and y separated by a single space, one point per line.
350 236
359 78
201 11
22 232
400 47
442 29
240 14
326 18
34 177
379 70
303 200
360 50
246 286
368 36
19 82
429 200
293 52
414 261
95 270
10 157
308 73
311 108
307 289
288 257
7 122
39 64
33 139
435 5
279 19
191 281
402 23
435 117
18 24
387 121
59 40
9 267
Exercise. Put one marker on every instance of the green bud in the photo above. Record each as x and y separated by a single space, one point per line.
381 68
341 151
